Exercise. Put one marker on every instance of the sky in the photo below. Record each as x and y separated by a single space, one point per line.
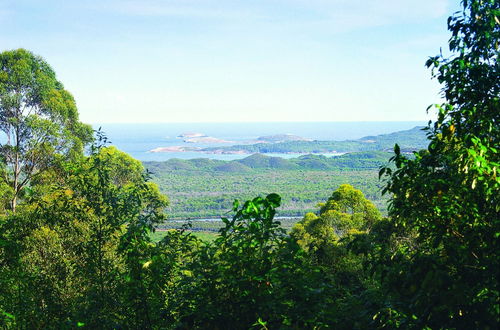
133 61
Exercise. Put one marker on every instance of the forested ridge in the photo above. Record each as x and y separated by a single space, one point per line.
77 218
409 141
256 162
205 188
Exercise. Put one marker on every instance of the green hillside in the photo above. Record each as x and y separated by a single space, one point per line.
409 140
352 161
200 188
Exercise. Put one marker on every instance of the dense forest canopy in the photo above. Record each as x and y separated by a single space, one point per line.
206 188
76 247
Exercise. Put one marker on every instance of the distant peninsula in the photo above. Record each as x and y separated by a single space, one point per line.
174 149
409 140
189 135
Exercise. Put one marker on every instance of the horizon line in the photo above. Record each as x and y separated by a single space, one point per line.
257 122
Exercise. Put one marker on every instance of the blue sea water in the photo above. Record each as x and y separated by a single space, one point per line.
138 139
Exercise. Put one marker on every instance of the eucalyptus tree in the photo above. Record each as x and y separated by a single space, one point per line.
38 119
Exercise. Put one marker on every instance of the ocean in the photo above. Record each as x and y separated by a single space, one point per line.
139 139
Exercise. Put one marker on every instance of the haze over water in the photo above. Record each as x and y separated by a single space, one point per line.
138 139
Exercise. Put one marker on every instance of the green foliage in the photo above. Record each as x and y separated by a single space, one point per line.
38 118
67 257
258 162
446 199
79 253
123 168
232 167
329 239
251 272
82 252
6 191
206 236
205 228
82 255
346 212
203 191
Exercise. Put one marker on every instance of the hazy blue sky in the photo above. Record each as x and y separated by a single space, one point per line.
236 60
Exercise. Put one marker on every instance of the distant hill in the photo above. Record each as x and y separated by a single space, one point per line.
281 138
408 140
262 161
256 162
232 167
200 187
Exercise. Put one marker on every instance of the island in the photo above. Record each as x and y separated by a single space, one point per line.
409 141
174 149
190 135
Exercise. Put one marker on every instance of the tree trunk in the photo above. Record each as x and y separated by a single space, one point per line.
13 203
16 172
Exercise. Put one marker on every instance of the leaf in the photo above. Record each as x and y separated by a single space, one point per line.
274 199
236 204
8 315
397 150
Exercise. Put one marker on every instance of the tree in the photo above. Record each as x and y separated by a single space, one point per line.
447 198
5 190
346 211
252 275
38 117
327 237
76 254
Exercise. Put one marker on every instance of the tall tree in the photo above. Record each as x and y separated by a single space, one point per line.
38 117
447 197
346 212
